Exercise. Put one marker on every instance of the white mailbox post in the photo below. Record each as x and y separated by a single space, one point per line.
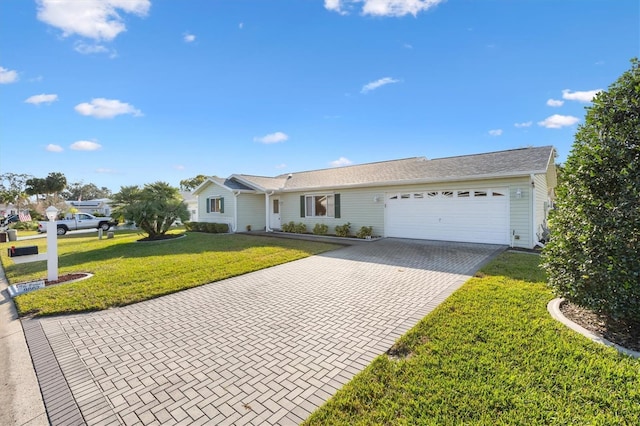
52 244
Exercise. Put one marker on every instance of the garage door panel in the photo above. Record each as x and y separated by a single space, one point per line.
472 219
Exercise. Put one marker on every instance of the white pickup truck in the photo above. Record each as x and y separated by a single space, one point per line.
79 221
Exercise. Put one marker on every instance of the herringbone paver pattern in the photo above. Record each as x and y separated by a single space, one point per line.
265 348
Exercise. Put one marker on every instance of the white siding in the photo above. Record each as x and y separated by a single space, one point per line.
520 212
360 208
357 206
213 190
251 211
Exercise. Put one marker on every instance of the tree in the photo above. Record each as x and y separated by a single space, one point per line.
592 259
55 183
193 183
153 208
13 188
52 185
36 186
80 191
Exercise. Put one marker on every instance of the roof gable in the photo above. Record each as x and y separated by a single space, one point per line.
229 184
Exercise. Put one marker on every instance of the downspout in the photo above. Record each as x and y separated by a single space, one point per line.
267 215
235 211
534 236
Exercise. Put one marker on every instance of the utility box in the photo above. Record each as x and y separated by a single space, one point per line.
22 251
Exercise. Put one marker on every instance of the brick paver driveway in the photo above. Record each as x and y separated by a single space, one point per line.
264 348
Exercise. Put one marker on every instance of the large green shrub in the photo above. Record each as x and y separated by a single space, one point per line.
593 258
155 207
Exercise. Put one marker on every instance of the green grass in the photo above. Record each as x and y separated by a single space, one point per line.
126 271
491 354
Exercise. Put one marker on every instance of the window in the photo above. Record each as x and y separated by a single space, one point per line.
463 194
395 197
320 205
479 193
405 196
276 206
418 195
325 205
215 205
497 194
432 194
447 194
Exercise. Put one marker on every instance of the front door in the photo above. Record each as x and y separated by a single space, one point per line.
275 213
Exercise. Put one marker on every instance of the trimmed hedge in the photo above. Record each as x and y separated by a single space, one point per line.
208 227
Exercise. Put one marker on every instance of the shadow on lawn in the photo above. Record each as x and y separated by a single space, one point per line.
191 243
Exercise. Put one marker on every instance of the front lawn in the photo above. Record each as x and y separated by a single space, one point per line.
126 271
491 354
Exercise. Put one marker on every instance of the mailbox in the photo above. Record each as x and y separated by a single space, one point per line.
22 251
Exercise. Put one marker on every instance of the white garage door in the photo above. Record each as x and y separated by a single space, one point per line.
479 216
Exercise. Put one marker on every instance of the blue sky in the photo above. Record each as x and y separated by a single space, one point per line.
129 92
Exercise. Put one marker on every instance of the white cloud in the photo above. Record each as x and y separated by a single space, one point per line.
377 84
54 148
382 7
178 167
584 96
272 138
96 19
106 108
523 124
281 166
557 121
41 99
334 6
8 76
555 102
189 38
340 162
241 25
105 170
495 132
88 49
85 146
407 46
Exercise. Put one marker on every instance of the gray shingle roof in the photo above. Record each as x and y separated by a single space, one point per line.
513 162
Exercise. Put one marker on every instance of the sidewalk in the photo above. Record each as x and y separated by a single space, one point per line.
20 399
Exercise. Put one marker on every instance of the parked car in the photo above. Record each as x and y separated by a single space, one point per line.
5 221
79 221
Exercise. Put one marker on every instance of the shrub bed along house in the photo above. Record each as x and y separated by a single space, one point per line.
209 227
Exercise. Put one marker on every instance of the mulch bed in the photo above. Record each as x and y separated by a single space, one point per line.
65 278
625 334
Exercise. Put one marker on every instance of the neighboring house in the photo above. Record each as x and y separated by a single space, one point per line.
99 205
8 209
499 197
192 204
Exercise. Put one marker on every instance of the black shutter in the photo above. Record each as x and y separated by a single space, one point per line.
208 205
221 204
336 199
302 206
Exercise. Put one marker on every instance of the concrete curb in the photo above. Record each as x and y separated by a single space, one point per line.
554 309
